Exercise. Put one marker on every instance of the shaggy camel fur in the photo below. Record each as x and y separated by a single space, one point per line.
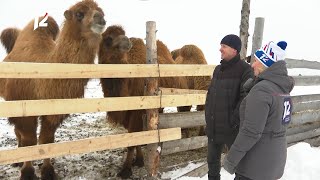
114 50
9 36
191 54
175 53
78 43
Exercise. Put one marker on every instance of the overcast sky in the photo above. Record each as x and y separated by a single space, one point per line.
200 22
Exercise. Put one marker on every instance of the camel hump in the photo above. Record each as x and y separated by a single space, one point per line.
192 51
115 30
8 38
52 28
135 40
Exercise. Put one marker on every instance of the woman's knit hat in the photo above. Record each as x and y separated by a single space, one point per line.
271 53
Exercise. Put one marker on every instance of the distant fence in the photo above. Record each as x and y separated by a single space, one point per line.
304 80
296 63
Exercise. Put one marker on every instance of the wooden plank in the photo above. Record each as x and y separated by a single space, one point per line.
198 172
306 80
297 63
305 98
303 128
193 119
65 70
305 117
173 91
87 145
302 136
185 144
182 119
306 106
67 106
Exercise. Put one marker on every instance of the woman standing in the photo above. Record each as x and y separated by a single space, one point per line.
260 149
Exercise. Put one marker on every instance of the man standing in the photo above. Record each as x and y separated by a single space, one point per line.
223 100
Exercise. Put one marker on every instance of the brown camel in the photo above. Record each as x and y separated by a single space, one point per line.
114 50
191 54
43 37
78 42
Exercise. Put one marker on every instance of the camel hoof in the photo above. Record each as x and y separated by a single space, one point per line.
47 173
138 162
125 173
17 164
27 173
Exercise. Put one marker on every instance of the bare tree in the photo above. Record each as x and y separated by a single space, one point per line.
244 26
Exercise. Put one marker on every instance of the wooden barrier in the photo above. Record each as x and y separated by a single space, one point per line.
306 113
64 70
296 63
57 106
306 80
87 145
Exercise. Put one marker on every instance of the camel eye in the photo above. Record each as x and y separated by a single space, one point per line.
108 41
79 15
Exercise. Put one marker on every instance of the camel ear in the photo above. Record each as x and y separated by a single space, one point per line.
68 14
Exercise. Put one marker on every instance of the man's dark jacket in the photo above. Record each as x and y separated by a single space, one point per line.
224 96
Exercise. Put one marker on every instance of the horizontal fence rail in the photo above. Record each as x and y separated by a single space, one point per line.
192 119
67 106
296 63
306 80
87 145
65 70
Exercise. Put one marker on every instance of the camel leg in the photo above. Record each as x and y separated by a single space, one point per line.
139 161
126 170
186 131
49 125
135 125
19 164
202 131
26 132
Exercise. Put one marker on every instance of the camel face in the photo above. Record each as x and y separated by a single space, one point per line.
114 37
87 16
122 43
98 23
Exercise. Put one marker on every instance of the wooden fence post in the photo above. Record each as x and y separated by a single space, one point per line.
257 36
244 26
152 115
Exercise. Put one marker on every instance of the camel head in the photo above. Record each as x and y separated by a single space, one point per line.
86 17
114 37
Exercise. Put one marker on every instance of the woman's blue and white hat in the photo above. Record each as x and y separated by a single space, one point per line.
271 53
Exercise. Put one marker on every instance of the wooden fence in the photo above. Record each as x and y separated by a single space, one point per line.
306 117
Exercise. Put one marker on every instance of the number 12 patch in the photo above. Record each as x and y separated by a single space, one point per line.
287 103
